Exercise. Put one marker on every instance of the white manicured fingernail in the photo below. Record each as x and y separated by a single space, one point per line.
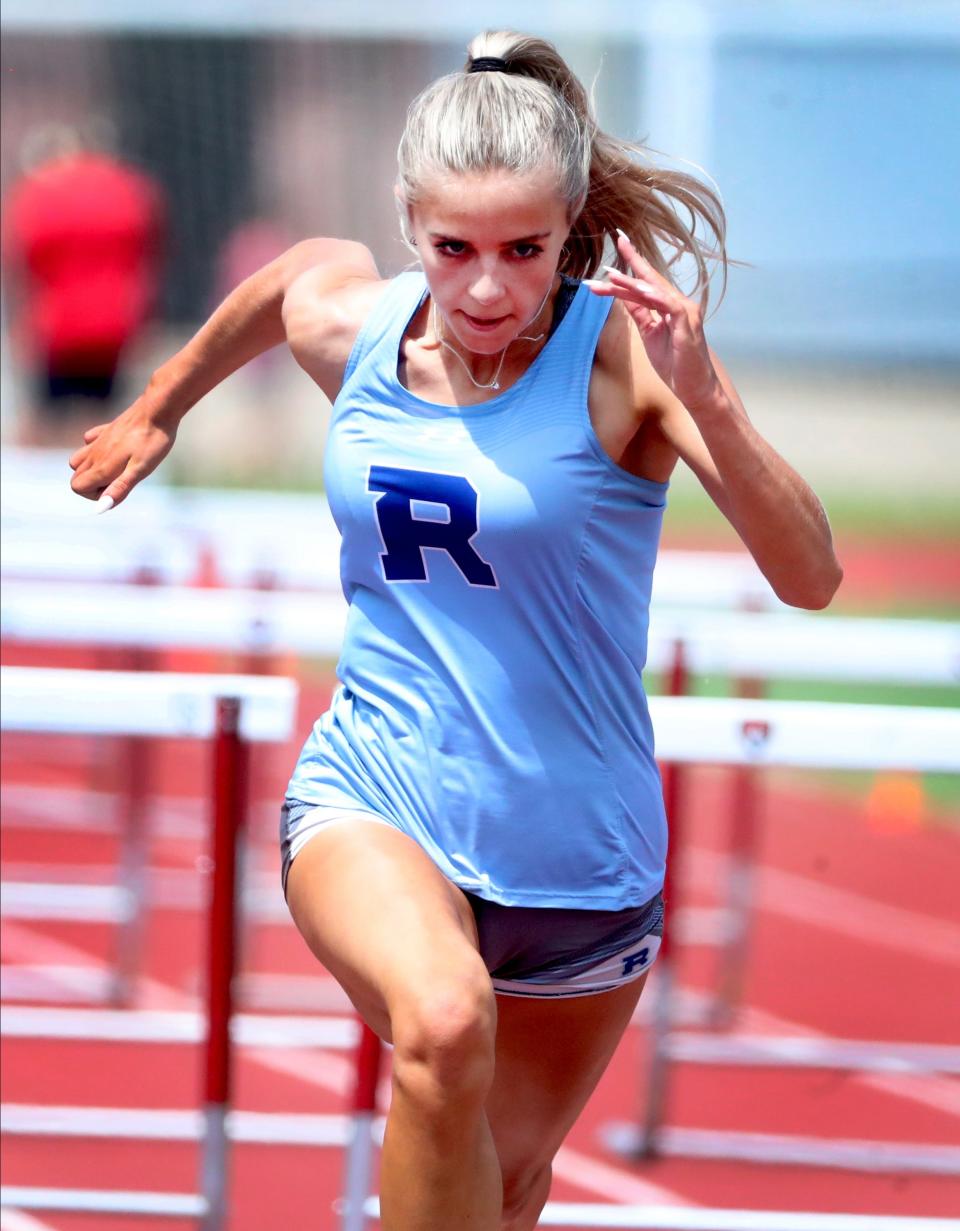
642 286
624 235
104 504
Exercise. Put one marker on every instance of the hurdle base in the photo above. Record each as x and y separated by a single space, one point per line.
877 1157
56 985
93 1201
689 1218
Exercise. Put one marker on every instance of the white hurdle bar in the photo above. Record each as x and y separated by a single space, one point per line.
754 644
805 734
680 1218
254 622
231 711
175 533
149 704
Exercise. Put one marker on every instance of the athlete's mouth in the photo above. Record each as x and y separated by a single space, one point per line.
484 322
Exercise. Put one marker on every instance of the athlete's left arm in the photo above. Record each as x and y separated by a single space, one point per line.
700 414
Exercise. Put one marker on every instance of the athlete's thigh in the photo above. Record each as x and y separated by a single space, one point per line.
550 1056
380 916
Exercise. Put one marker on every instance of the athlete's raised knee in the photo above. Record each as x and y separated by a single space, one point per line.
444 1042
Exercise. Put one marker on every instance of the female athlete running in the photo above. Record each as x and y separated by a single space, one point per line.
473 838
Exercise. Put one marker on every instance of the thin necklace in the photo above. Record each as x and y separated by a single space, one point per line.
495 383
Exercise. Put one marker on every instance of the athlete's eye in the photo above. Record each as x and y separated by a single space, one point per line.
451 247
527 251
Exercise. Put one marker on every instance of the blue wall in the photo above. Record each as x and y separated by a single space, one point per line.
840 169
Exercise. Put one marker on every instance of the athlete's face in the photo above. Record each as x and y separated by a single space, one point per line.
490 245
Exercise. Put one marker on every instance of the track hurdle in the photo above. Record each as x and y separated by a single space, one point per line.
810 735
785 645
232 712
788 646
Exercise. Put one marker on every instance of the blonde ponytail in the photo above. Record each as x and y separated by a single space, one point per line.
537 110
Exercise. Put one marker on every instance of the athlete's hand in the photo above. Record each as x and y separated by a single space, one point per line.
115 456
670 325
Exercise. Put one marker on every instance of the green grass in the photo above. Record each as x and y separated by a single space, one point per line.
875 514
902 606
262 479
888 514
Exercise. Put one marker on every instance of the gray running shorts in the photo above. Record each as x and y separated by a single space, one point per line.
538 951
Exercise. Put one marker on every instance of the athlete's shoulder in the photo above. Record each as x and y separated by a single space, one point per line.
320 271
325 307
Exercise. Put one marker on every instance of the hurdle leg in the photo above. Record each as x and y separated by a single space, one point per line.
229 799
137 759
661 1024
134 862
738 913
739 906
358 1169
258 657
640 1141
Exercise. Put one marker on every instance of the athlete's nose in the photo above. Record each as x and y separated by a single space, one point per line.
486 290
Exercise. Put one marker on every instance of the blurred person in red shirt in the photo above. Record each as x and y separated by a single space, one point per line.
82 233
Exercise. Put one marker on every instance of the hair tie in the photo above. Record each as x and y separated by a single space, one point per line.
488 64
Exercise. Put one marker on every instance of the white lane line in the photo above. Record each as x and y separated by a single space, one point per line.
325 1070
594 1175
19 1220
938 1093
837 910
943 1096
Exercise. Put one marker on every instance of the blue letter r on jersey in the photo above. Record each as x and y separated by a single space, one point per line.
405 536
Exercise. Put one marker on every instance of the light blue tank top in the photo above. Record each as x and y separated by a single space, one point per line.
498 566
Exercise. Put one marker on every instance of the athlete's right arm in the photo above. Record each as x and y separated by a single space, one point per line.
115 456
